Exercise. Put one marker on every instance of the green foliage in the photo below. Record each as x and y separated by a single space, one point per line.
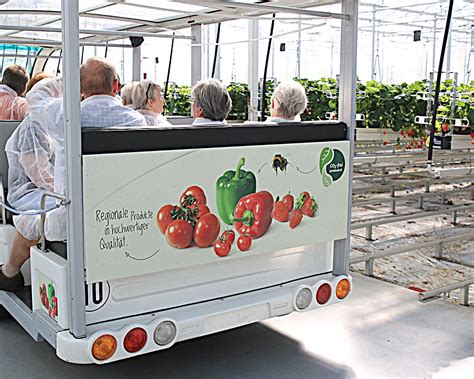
391 106
240 95
178 100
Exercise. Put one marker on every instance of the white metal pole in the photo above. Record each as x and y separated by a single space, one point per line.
73 155
196 54
448 53
372 74
253 69
298 50
137 64
433 66
347 114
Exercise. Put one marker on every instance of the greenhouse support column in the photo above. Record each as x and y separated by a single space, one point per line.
347 113
433 66
196 54
253 70
137 64
448 54
372 74
298 50
72 126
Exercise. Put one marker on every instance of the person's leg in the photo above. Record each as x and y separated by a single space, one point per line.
20 254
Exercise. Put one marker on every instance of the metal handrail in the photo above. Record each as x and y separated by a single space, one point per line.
463 285
2 199
406 217
406 249
44 195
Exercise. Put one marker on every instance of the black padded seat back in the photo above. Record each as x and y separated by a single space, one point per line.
123 140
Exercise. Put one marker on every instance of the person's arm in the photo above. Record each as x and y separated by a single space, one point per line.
22 108
38 168
42 94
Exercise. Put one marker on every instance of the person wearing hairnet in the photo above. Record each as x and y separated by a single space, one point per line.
13 85
147 100
100 108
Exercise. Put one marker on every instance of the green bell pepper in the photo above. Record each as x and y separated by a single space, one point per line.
230 188
51 291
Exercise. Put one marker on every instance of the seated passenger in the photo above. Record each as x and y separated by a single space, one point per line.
211 103
99 109
147 99
35 79
288 102
13 85
126 94
30 153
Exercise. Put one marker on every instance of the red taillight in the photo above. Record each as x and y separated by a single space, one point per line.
135 340
323 293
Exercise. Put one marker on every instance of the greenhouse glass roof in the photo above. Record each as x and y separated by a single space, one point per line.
386 17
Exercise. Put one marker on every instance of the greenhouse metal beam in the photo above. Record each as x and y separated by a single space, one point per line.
45 12
268 8
30 56
383 7
47 42
120 33
56 19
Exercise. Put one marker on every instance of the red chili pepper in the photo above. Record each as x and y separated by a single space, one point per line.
253 214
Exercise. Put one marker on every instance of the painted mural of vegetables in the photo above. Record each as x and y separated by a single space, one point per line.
190 221
254 214
231 187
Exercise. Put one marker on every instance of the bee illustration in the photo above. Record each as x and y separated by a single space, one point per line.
279 162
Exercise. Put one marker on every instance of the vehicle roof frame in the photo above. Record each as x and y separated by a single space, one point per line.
71 43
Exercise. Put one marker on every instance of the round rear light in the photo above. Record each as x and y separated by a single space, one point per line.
303 299
135 339
343 288
323 294
165 332
104 347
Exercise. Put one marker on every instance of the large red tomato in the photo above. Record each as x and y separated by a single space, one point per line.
163 218
206 230
193 195
179 234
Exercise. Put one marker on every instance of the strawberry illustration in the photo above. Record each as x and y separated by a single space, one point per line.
309 207
288 200
280 211
295 218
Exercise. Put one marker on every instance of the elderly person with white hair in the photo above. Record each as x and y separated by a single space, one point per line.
211 103
126 93
288 102
147 99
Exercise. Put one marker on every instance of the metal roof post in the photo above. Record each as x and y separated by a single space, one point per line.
253 70
196 54
73 155
136 64
347 113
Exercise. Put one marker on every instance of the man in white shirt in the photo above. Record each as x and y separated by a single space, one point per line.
100 108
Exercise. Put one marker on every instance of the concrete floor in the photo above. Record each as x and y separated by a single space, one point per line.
381 332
